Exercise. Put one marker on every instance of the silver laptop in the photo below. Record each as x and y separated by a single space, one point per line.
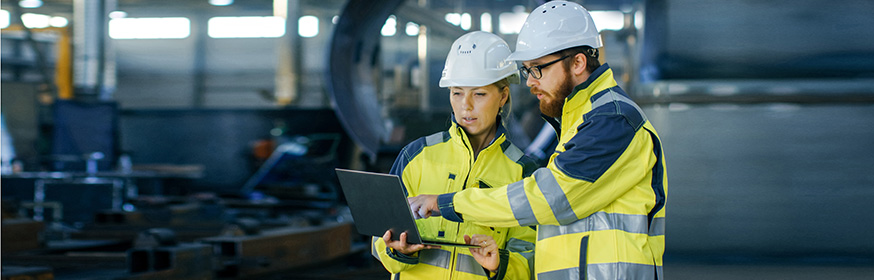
378 203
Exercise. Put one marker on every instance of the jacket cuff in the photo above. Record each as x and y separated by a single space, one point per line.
447 208
401 257
502 265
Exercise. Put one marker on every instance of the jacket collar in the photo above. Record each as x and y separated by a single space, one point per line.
458 132
599 80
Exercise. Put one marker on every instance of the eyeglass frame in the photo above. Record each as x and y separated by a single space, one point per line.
525 71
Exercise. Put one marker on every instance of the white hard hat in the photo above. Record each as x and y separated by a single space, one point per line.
555 26
478 59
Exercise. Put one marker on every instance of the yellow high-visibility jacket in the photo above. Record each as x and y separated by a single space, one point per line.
443 162
599 202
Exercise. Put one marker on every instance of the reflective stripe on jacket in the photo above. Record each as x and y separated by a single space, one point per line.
599 202
443 163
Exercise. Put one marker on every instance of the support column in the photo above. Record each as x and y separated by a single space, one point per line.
651 39
199 32
94 54
425 86
288 67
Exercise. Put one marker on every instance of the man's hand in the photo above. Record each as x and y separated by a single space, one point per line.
487 254
401 245
424 206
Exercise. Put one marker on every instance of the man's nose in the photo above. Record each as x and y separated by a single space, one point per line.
531 81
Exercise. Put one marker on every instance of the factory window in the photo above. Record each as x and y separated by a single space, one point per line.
390 27
462 20
30 3
42 21
35 20
32 20
412 29
638 19
466 21
58 21
485 22
453 18
608 20
221 2
117 14
308 26
4 18
511 23
149 28
246 27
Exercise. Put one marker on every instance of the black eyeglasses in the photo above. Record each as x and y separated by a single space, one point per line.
537 71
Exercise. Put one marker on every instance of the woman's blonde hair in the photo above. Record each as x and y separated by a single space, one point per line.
504 112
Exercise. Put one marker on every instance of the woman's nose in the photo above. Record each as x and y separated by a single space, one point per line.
468 102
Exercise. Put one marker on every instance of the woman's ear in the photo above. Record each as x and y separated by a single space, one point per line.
505 95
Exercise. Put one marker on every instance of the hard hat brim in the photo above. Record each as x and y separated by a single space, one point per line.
525 55
445 83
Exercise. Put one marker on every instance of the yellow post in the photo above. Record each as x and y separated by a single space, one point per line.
64 65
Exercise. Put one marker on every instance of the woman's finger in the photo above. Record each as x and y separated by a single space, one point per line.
403 239
387 236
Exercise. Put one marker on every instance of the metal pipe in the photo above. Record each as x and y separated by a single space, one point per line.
288 65
94 59
200 53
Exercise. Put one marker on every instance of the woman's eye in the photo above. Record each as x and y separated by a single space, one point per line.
481 93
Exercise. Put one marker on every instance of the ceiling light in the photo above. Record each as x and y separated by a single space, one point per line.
117 14
30 3
221 2
58 21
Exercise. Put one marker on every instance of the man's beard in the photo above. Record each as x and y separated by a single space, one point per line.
553 108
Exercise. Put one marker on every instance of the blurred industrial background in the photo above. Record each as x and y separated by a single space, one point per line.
196 139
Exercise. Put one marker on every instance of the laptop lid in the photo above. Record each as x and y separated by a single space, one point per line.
378 203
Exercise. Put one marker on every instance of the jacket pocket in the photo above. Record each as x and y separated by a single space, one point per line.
483 185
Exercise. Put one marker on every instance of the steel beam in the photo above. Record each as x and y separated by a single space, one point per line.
279 249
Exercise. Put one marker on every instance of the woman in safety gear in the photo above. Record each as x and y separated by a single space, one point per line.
473 153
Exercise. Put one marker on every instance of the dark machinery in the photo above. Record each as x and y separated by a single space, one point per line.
353 78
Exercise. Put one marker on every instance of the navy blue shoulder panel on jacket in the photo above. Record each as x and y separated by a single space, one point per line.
602 137
528 166
413 149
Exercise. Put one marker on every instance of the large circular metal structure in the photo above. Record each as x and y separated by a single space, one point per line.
353 78
351 62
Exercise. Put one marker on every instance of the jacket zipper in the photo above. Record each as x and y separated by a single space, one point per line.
471 161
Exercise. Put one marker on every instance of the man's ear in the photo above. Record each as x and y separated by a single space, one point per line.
579 65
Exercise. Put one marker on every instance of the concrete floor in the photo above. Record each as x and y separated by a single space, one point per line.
766 271
705 268
363 266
